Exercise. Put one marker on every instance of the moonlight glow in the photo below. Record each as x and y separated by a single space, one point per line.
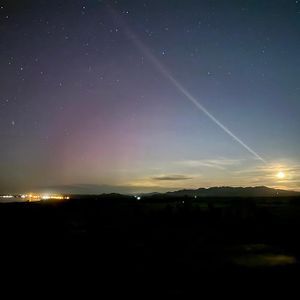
280 175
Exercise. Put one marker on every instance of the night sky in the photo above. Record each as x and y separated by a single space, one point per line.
135 96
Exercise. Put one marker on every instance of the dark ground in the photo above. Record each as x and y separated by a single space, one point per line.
157 246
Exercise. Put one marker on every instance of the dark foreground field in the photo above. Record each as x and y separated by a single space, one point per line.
157 246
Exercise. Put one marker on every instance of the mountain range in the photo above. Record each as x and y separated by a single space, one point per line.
227 191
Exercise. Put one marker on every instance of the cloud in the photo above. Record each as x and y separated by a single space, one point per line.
271 169
220 163
171 177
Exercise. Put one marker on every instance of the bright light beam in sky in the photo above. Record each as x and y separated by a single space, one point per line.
187 94
166 73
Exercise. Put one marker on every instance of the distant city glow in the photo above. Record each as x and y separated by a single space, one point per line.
37 197
52 197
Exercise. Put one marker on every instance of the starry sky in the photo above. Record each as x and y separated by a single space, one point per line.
148 95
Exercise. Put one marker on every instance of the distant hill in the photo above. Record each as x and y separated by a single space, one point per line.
227 191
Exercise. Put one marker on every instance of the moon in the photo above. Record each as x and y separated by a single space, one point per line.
280 175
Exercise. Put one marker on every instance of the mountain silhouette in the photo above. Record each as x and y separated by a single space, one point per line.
227 191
